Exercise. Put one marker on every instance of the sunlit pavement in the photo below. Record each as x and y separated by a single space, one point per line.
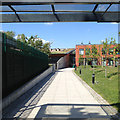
67 97
61 95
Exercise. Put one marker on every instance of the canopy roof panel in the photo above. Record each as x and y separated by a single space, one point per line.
60 11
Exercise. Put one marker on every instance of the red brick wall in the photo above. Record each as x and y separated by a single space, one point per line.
99 47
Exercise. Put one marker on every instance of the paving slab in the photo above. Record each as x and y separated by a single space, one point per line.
67 97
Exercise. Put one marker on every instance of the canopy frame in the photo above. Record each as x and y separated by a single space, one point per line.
54 15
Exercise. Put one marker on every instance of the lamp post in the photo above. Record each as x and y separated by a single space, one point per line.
93 78
80 71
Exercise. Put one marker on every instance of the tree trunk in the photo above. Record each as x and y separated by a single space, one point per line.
84 62
105 71
102 61
93 66
114 61
105 68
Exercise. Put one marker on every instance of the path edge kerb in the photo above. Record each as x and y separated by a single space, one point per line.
108 109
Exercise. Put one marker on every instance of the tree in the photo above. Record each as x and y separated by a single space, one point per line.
38 44
80 59
106 46
10 34
46 48
87 53
35 42
99 55
94 55
115 49
31 41
22 38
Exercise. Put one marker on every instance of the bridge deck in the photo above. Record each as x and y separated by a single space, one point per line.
63 96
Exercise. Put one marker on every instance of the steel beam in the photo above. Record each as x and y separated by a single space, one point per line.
81 17
95 8
107 9
53 9
15 12
66 16
33 2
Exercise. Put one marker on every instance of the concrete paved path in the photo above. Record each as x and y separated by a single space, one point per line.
66 97
61 95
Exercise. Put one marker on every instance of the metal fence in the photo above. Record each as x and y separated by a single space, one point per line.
20 63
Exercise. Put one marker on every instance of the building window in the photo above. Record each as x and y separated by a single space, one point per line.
110 62
87 51
81 51
111 50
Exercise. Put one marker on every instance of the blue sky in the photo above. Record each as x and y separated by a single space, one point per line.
67 34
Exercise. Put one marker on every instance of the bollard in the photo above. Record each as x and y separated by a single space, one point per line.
80 71
93 78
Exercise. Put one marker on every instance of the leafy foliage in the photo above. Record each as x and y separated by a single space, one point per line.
46 49
94 51
10 34
33 41
22 38
94 54
106 47
37 42
80 59
87 51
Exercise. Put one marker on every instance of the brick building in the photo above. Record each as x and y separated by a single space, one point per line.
83 57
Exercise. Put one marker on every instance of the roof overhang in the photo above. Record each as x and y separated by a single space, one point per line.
60 11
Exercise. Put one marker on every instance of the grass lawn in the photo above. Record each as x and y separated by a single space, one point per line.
106 87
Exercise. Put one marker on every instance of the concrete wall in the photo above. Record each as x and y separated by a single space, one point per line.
13 96
63 62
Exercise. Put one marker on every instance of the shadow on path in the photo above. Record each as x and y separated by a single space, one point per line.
71 111
21 107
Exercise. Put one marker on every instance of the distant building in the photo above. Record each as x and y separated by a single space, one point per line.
61 49
86 59
58 49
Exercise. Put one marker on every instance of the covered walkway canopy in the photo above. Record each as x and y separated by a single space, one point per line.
60 11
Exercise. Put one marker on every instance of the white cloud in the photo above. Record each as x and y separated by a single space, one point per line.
109 23
102 41
15 37
113 23
44 41
28 37
48 23
1 31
